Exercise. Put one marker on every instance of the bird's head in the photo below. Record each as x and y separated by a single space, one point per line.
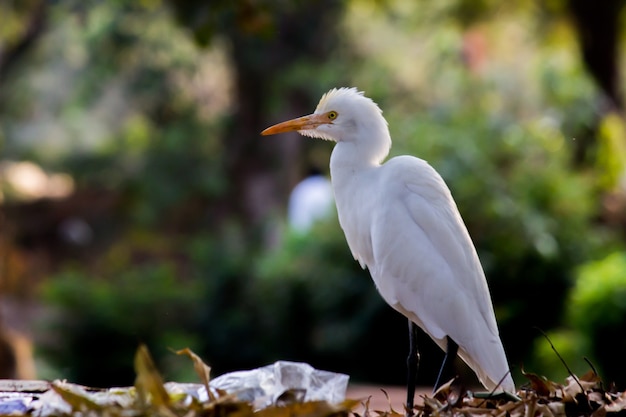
341 115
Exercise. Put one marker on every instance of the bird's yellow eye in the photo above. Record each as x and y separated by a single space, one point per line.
332 115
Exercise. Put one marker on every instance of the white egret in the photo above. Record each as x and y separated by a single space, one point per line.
401 222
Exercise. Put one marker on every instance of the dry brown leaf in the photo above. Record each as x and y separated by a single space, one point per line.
557 408
576 386
202 369
77 400
148 382
391 411
308 409
600 412
510 406
544 410
590 376
539 384
617 405
227 409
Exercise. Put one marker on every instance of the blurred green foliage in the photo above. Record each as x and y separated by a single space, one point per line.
572 346
106 315
119 96
593 324
611 152
597 310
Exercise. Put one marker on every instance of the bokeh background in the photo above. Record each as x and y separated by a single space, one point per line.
139 204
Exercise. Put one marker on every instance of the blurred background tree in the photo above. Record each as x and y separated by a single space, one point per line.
140 204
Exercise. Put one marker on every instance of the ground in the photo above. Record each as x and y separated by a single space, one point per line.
378 400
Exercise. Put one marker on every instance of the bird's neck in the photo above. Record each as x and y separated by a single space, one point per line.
362 152
367 146
349 161
348 158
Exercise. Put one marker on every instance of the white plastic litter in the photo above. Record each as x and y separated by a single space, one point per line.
264 386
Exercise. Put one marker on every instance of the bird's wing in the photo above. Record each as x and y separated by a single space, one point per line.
419 238
425 264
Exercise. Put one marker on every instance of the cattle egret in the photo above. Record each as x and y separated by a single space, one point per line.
401 222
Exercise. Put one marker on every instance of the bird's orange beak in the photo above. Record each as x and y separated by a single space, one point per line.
301 123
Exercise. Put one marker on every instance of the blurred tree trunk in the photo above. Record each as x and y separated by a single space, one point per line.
267 41
12 48
598 26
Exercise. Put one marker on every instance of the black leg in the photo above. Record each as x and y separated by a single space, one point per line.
448 361
412 364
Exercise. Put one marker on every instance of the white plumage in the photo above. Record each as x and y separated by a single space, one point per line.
402 223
